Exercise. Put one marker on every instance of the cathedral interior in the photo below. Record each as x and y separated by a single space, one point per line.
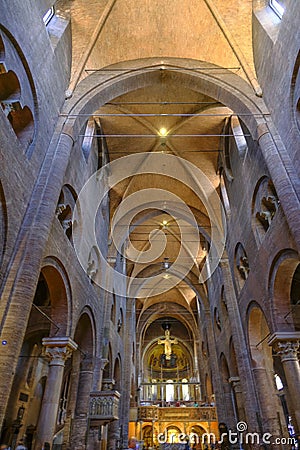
149 224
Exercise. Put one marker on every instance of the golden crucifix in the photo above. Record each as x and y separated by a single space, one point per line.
167 341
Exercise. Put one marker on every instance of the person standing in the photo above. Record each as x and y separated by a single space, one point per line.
21 446
132 443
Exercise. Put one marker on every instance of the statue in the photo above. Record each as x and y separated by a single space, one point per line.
167 341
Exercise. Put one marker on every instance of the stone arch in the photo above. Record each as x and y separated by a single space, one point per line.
113 309
117 373
147 436
83 360
85 334
284 290
59 294
195 433
258 332
230 412
21 111
107 371
295 91
225 87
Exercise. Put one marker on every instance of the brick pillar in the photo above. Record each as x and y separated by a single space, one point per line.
57 350
80 422
286 346
18 288
241 350
237 389
269 404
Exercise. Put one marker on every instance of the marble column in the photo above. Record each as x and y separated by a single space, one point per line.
57 349
286 345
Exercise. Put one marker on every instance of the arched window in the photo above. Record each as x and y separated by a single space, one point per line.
48 16
277 7
278 382
169 391
185 390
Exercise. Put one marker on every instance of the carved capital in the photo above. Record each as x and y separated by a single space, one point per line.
286 345
58 350
235 382
287 350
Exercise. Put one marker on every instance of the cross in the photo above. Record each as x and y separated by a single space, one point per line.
167 341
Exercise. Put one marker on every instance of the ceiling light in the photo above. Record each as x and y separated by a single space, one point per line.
166 263
163 131
165 223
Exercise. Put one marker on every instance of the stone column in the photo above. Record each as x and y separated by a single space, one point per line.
237 391
80 421
269 404
57 350
286 345
248 394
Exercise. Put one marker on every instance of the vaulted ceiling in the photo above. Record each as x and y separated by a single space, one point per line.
165 118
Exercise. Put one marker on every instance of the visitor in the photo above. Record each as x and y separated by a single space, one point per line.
46 446
4 447
21 446
132 442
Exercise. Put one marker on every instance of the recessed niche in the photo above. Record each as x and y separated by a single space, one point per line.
10 89
265 204
241 263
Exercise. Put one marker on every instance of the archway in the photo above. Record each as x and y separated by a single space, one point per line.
82 376
48 320
271 414
284 288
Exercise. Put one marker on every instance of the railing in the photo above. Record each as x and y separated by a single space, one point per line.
151 393
104 406
185 414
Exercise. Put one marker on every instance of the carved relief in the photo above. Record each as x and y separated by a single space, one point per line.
241 262
265 205
65 208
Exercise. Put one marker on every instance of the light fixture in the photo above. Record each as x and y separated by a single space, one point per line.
165 223
163 131
166 263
